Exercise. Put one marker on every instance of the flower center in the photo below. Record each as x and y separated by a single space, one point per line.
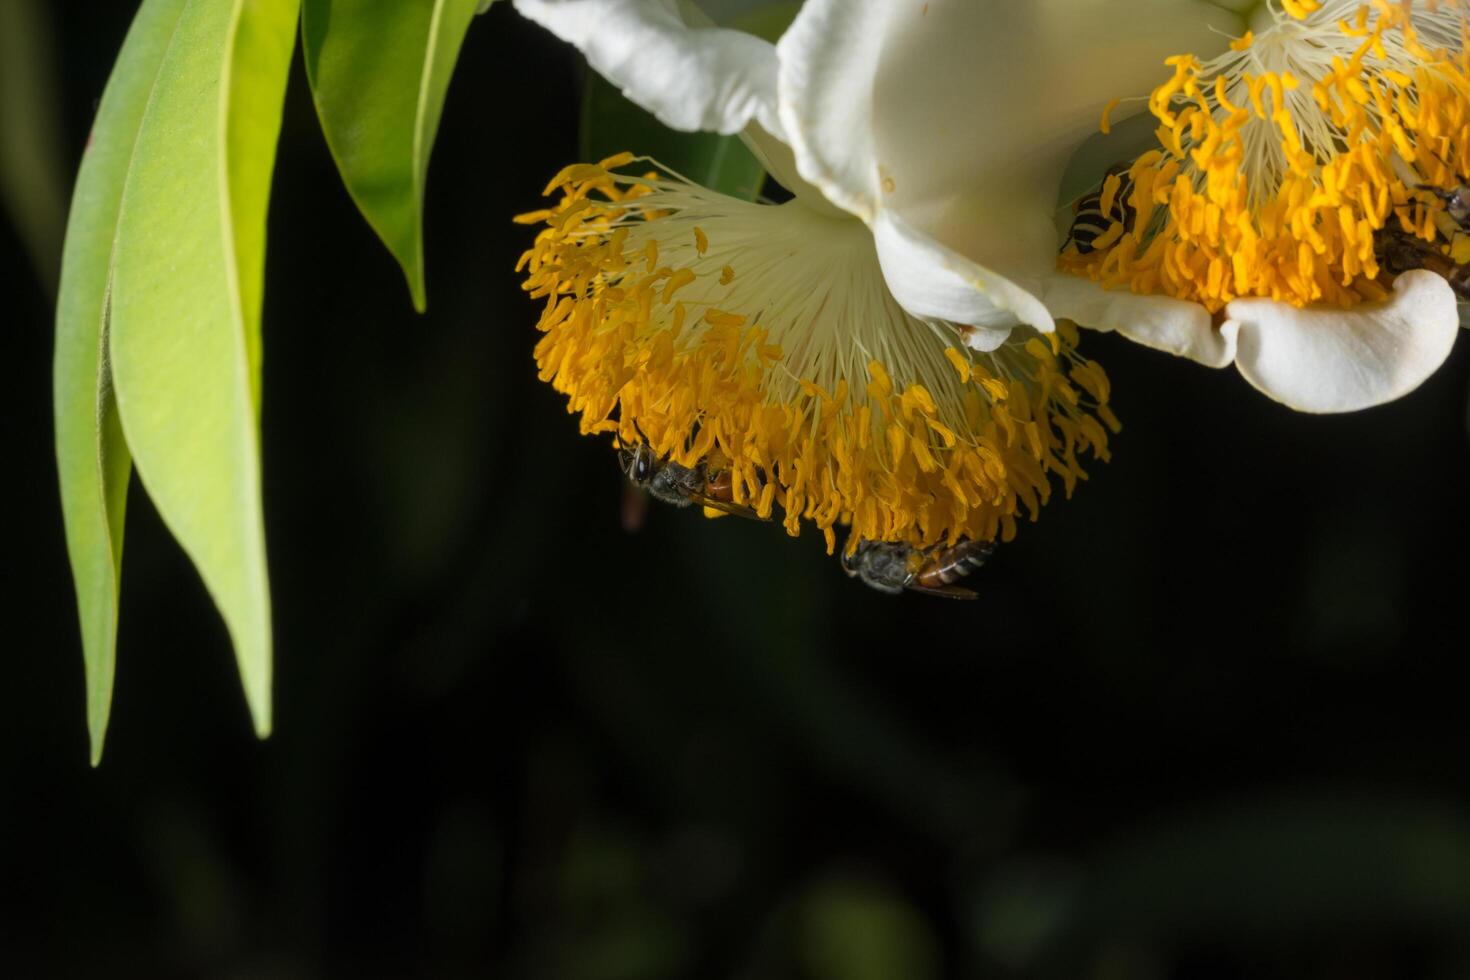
761 341
1283 161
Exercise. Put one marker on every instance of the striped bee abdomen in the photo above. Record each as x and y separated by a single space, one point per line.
1092 220
949 565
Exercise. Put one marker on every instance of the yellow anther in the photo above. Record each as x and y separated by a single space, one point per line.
1300 9
532 217
916 460
960 362
880 377
719 318
676 282
572 174
1038 349
1278 195
615 161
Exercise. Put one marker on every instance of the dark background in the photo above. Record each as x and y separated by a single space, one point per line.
1207 719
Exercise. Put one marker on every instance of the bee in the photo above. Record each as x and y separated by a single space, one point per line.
892 566
1456 202
680 485
1089 222
1398 252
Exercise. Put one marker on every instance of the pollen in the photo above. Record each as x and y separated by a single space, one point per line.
802 378
1279 161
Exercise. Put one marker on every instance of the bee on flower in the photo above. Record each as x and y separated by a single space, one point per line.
760 341
895 348
1302 200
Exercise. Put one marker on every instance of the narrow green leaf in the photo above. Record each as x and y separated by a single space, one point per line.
186 292
612 124
92 458
379 73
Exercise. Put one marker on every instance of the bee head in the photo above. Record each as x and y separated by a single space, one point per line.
637 459
1456 201
637 463
852 561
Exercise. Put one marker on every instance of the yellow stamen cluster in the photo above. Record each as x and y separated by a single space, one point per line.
1274 182
639 339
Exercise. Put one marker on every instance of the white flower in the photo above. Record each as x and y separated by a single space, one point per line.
945 127
867 354
760 346
1283 222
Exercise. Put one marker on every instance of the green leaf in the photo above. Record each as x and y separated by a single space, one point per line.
612 124
186 293
92 458
379 73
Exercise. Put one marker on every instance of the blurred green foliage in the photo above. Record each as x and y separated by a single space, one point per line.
856 929
33 177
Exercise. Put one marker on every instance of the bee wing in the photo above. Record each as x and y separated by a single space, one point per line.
726 507
945 591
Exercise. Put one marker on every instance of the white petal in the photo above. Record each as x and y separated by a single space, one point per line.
828 66
691 78
775 156
1320 360
952 121
919 104
932 281
1175 326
